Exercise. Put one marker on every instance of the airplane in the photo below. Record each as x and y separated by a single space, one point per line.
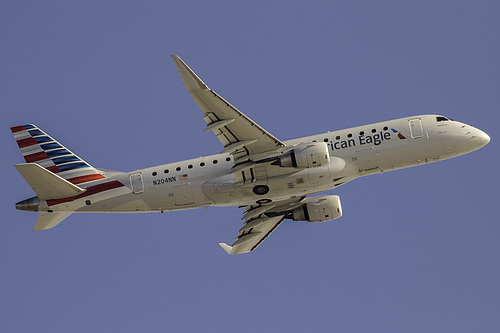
269 178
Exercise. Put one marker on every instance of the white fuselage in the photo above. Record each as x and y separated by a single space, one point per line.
212 180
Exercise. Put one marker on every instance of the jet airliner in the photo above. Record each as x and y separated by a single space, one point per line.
271 179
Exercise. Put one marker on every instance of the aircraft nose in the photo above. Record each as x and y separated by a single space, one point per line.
469 138
481 138
485 137
475 139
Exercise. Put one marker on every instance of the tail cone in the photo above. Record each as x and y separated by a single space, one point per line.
29 204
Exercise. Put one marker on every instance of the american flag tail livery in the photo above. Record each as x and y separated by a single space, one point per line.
38 147
52 171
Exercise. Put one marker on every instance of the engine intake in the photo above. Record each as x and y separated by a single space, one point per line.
319 209
306 155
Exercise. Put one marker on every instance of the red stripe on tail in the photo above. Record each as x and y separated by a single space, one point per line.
26 142
53 169
86 178
36 157
90 191
16 129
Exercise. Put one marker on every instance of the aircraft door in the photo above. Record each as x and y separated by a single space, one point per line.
136 183
416 128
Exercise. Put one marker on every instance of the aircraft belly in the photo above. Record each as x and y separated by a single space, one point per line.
99 202
226 191
121 203
182 194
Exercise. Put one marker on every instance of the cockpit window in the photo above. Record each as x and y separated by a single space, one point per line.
441 118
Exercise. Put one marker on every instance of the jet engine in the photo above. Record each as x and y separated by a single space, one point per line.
318 209
306 155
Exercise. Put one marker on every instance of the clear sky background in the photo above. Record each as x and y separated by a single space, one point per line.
417 250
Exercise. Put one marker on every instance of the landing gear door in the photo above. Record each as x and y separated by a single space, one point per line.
136 183
183 195
366 159
416 128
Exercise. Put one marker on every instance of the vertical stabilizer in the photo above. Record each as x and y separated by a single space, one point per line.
38 147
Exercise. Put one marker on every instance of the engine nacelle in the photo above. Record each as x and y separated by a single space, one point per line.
306 155
319 209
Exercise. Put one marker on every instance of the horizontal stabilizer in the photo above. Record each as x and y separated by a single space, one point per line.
49 220
47 185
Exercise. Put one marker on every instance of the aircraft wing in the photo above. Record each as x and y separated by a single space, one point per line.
252 234
239 135
260 222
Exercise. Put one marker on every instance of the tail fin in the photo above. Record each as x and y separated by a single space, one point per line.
38 147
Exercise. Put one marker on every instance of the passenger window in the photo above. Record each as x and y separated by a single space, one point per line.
154 173
228 159
178 168
215 161
190 166
202 164
165 171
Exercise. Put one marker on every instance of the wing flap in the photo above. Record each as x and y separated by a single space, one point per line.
218 125
254 212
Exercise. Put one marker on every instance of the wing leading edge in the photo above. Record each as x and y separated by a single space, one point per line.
239 135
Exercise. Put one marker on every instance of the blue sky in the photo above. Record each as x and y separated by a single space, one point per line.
416 250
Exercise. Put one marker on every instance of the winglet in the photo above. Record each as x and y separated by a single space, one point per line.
191 80
225 247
